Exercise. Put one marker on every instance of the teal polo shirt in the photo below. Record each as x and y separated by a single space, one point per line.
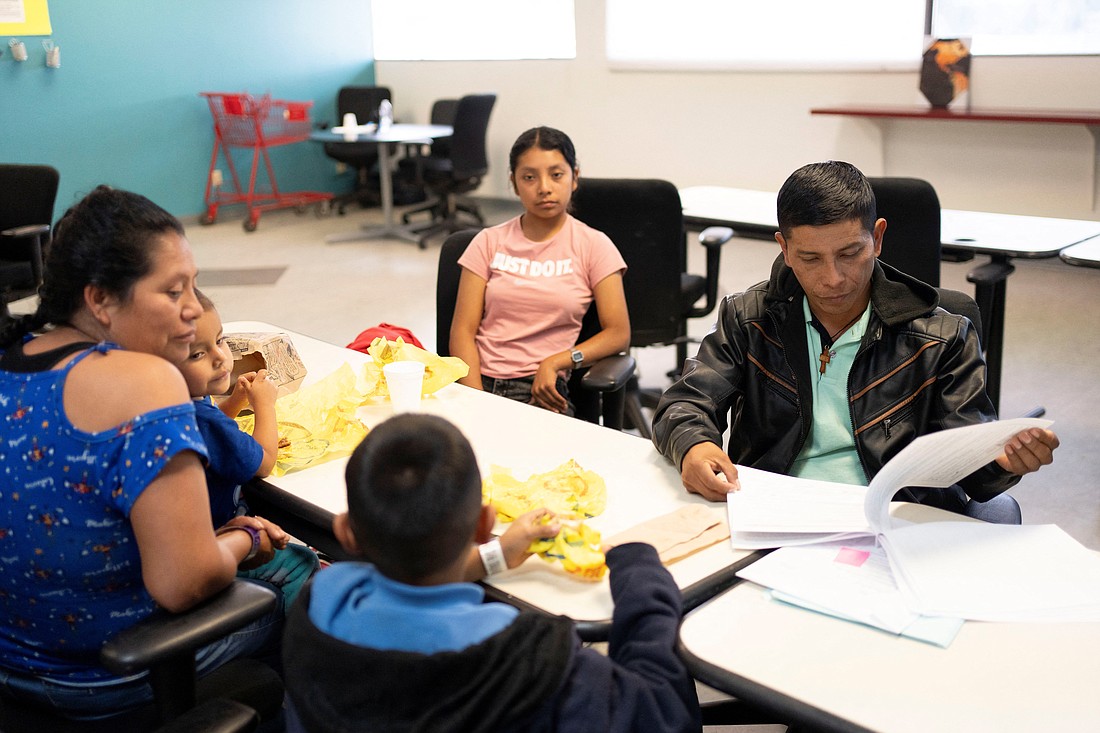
829 453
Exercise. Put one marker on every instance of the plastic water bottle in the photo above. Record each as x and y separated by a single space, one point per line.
385 114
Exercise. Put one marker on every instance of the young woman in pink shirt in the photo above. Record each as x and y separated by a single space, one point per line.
527 283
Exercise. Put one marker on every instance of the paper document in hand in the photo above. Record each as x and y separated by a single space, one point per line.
772 510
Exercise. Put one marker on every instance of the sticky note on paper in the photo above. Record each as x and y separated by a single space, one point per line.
851 556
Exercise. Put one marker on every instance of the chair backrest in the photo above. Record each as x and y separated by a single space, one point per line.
446 286
469 157
27 194
443 113
912 213
644 218
362 102
912 241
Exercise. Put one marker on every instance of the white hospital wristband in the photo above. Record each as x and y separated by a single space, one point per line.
492 557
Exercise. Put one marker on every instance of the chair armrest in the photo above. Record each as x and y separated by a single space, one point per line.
163 636
609 374
29 230
35 233
712 238
219 715
990 273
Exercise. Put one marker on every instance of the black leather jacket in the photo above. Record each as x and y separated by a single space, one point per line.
919 369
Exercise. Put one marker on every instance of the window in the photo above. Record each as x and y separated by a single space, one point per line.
414 30
1021 27
766 34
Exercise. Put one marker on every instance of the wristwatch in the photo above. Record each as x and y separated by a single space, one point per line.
252 532
577 357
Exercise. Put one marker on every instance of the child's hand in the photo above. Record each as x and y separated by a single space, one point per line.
261 391
277 534
526 529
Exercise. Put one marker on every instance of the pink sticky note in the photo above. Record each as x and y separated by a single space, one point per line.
850 556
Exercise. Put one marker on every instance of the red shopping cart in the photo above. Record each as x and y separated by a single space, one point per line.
242 121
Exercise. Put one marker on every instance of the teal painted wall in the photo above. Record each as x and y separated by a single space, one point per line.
124 109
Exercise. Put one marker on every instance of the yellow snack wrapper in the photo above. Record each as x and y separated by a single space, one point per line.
439 371
572 494
568 490
577 547
317 423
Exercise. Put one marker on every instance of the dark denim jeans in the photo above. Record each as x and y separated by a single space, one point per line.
519 389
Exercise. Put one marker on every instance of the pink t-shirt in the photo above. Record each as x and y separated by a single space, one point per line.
536 293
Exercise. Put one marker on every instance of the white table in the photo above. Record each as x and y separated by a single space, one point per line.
833 675
980 232
396 133
641 485
1083 254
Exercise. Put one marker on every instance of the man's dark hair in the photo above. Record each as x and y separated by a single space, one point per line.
825 193
414 495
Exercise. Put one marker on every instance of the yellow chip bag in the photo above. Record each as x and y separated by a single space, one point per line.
567 490
572 494
577 547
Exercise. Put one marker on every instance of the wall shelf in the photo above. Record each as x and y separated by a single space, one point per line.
1087 118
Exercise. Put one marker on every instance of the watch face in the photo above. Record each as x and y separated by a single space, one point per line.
578 357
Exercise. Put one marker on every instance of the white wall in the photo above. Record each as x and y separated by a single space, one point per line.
751 129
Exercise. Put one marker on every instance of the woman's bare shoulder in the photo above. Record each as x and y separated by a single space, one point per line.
107 389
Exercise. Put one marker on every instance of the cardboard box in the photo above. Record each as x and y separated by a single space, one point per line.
271 351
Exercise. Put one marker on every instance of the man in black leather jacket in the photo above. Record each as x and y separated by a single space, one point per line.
835 363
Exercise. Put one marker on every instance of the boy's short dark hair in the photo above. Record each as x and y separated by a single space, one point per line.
825 193
414 495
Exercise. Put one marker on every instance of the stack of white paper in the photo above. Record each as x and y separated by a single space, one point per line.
952 569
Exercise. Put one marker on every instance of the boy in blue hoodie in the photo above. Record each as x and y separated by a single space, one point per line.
404 641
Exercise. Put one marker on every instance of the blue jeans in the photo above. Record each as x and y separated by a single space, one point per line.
519 389
114 695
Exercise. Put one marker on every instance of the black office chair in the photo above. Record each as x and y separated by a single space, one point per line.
363 157
597 391
411 167
644 219
27 195
460 173
912 244
235 697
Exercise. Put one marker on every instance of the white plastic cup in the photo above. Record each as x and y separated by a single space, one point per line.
350 127
405 381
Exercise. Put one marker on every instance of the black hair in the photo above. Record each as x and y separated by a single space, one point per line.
543 138
105 239
825 193
204 300
414 495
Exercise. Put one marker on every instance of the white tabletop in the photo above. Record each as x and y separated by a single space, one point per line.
641 484
1085 254
996 677
398 132
979 231
1013 235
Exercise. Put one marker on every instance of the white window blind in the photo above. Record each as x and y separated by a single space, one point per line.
1021 27
810 35
414 30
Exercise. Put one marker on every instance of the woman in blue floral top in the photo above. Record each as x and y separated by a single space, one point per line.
103 508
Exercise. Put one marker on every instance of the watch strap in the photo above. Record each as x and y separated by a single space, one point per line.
252 532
